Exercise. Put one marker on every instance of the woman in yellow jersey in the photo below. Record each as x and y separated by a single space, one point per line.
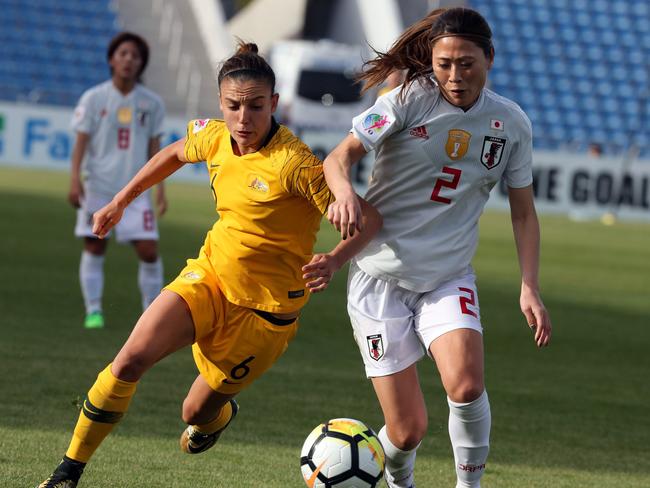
238 302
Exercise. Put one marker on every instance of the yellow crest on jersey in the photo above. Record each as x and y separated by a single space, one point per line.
457 143
124 115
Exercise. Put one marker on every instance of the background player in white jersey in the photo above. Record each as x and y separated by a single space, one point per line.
118 125
442 141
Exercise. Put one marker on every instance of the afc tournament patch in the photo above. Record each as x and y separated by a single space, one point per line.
375 346
492 151
199 125
375 123
79 113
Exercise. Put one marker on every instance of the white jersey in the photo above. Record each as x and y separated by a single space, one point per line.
120 127
435 166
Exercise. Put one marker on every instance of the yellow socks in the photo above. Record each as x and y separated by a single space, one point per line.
105 405
218 423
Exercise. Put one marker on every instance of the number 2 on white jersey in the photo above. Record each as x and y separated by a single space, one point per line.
467 300
441 183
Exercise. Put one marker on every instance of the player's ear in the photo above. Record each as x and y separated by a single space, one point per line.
274 102
490 59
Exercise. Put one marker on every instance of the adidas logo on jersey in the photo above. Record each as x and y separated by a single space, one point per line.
420 131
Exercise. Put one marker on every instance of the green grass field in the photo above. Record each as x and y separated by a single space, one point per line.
572 415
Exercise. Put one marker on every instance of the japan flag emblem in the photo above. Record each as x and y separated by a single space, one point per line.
496 124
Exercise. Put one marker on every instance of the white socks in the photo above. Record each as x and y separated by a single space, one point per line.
150 280
469 431
399 464
91 277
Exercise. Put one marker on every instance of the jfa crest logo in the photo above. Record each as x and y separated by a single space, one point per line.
457 143
492 151
375 346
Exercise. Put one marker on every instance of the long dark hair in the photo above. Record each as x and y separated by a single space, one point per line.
246 64
411 52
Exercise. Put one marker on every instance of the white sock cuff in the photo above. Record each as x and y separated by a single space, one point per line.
92 259
91 279
154 266
391 450
472 411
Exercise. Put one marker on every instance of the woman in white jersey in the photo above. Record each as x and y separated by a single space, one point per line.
442 141
118 125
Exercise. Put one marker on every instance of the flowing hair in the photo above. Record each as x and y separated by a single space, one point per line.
411 52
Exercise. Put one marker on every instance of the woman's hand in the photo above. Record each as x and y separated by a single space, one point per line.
536 315
345 215
161 203
76 193
319 271
106 218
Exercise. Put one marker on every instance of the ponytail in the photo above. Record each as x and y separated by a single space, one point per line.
246 64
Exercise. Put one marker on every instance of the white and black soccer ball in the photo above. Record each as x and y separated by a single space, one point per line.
342 453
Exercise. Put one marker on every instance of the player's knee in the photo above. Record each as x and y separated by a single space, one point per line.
129 366
408 435
147 251
149 256
96 247
466 392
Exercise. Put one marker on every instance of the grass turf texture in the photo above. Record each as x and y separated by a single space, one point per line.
573 415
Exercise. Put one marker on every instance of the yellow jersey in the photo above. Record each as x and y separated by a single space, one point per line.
270 205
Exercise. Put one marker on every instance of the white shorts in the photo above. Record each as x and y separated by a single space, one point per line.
394 327
138 222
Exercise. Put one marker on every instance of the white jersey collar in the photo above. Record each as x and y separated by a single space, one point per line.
454 108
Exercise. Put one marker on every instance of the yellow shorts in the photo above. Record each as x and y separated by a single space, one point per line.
233 345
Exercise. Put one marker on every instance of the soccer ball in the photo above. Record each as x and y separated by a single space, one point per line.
342 453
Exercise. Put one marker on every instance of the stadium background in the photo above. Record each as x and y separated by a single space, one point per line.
575 415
